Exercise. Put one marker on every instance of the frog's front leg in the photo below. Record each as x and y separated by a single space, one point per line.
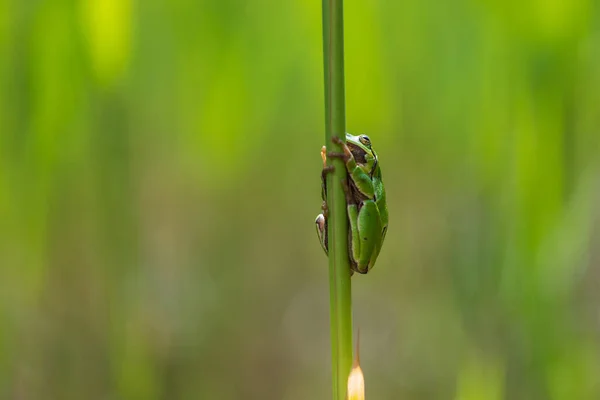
365 235
361 179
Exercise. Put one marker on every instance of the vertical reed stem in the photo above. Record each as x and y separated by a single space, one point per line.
339 267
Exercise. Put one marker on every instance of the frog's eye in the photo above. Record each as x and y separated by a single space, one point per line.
364 139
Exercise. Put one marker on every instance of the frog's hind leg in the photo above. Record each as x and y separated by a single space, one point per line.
353 236
367 234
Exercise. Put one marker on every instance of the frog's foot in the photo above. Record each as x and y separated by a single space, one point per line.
338 155
324 156
321 224
345 156
326 170
337 140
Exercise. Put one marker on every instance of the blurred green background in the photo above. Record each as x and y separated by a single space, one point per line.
159 180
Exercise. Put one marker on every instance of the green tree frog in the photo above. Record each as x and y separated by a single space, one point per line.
365 199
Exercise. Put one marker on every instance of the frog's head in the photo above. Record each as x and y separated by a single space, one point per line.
365 157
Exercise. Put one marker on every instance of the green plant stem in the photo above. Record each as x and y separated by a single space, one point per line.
339 267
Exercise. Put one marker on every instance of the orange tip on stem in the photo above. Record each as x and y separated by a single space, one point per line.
356 379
